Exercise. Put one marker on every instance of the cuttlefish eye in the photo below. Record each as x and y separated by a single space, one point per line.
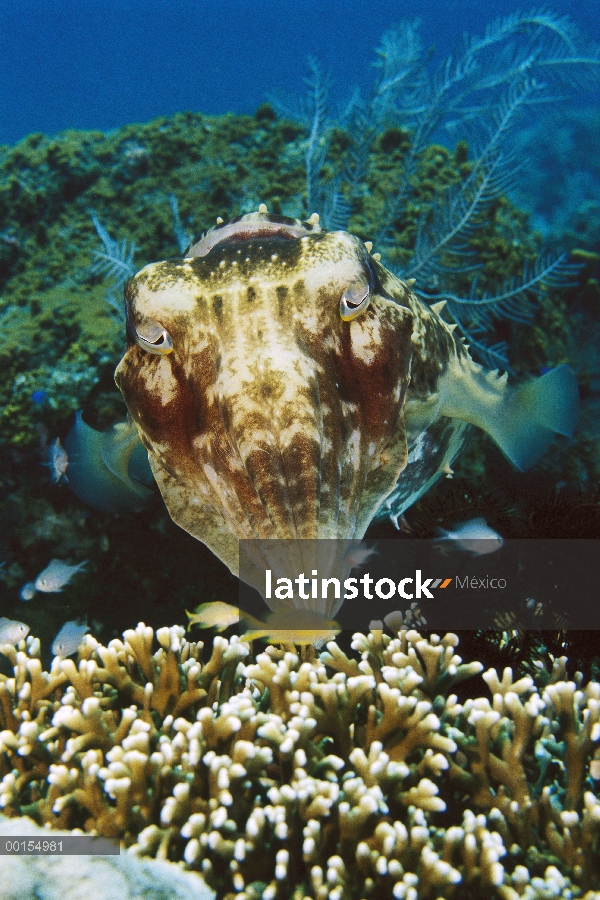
355 299
155 338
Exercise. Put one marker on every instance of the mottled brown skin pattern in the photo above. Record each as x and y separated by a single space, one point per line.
273 417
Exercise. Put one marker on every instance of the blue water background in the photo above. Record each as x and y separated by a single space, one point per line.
101 63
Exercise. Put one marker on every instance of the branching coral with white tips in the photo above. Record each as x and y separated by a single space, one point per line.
333 777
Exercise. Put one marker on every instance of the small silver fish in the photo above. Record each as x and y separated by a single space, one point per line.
358 554
56 575
28 591
58 460
474 536
11 632
69 638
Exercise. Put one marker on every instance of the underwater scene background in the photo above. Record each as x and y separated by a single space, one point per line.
394 764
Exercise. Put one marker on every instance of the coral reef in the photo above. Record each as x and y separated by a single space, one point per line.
332 777
62 340
80 210
561 188
383 771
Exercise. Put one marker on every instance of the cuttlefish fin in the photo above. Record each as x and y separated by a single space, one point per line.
522 420
108 470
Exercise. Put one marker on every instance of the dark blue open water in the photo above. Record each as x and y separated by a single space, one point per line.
101 63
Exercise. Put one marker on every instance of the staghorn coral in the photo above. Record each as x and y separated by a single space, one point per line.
292 775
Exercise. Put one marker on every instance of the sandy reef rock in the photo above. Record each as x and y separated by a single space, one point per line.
101 877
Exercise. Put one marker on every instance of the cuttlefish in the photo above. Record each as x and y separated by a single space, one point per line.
285 384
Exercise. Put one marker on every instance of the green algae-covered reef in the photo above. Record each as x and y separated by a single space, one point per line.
61 337
152 188
389 772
